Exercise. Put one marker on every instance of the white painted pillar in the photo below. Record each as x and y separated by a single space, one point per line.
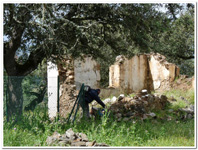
52 76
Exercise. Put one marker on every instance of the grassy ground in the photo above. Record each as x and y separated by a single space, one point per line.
35 127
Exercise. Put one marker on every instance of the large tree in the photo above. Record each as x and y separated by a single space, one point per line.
38 31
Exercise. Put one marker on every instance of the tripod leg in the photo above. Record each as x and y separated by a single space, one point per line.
77 101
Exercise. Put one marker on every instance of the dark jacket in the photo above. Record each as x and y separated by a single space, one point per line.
93 95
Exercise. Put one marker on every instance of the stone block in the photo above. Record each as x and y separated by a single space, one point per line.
70 134
101 144
51 140
120 97
64 143
78 143
90 143
83 137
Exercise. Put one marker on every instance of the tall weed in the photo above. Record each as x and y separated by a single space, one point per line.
34 128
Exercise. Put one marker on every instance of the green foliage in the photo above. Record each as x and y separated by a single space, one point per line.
177 42
80 28
101 30
34 83
187 67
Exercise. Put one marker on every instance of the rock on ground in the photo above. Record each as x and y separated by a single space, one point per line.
70 138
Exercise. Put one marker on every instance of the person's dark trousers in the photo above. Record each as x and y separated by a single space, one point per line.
85 107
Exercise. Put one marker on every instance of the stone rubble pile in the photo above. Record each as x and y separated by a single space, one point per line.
71 139
188 112
140 105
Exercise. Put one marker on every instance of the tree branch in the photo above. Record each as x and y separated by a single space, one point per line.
180 56
14 43
186 57
34 59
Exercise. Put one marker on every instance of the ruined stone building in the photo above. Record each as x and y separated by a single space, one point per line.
145 71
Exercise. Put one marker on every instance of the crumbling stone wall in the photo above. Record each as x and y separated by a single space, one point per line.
163 72
131 75
145 71
72 74
67 91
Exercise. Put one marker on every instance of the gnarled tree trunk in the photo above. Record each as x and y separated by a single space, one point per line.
15 70
15 98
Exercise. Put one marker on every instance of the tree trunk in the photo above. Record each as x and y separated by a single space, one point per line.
18 17
15 98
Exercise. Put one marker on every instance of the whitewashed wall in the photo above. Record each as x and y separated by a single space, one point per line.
162 72
52 75
87 72
130 74
159 72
